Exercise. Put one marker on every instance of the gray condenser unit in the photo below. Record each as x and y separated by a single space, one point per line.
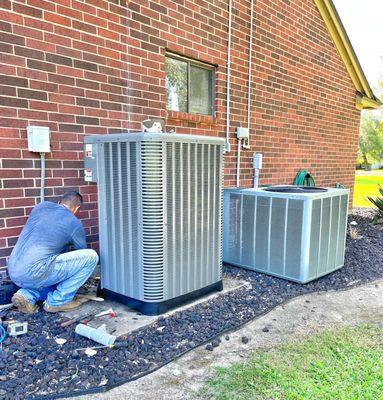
293 233
160 205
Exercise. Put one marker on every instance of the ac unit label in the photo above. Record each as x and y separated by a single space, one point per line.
88 176
88 150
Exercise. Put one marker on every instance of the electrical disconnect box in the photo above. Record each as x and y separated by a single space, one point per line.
39 139
242 133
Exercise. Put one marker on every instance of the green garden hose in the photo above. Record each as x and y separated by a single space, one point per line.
304 178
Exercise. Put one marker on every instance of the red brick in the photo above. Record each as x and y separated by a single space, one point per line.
32 74
10 173
41 65
27 32
6 48
6 233
5 252
5 26
83 7
56 59
71 128
69 12
13 102
6 4
40 105
9 133
17 183
22 9
9 193
11 222
45 86
8 111
10 153
29 53
32 114
11 203
61 117
57 40
32 94
13 39
41 25
81 26
57 19
42 4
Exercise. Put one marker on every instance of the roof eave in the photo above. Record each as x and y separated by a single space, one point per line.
365 103
365 98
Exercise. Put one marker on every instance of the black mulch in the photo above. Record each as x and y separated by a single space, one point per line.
33 365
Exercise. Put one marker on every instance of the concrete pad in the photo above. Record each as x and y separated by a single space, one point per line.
128 319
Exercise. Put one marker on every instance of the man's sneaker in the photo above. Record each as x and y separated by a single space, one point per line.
76 302
23 305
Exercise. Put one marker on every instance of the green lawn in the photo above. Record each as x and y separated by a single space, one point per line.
346 364
366 185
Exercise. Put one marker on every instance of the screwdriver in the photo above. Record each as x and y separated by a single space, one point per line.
87 317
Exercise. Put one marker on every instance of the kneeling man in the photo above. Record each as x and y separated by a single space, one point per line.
39 263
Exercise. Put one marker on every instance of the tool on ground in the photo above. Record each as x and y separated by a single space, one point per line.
83 318
99 335
90 297
109 312
4 307
16 328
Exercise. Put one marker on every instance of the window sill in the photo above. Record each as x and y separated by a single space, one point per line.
198 118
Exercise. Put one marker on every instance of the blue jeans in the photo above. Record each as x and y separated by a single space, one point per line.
68 272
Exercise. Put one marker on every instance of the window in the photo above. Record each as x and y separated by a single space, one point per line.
189 86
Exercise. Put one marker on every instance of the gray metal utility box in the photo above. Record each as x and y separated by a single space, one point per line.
296 236
159 201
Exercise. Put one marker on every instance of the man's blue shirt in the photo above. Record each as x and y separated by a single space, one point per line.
49 230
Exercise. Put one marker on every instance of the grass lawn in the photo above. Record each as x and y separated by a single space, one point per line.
366 185
346 364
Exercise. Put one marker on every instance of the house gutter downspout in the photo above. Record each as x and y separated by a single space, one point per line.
227 144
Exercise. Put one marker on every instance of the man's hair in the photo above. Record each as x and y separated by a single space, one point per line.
72 199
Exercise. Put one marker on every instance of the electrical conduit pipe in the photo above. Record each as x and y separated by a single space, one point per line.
42 186
250 63
246 144
227 144
239 161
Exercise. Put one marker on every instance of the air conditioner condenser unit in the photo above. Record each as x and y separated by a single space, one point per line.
294 233
160 206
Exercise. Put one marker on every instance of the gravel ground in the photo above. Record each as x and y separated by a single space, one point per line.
34 365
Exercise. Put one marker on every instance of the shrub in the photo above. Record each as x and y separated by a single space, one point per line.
378 202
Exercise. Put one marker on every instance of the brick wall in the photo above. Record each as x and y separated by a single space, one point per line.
97 66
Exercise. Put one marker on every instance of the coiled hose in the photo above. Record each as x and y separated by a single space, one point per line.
304 178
